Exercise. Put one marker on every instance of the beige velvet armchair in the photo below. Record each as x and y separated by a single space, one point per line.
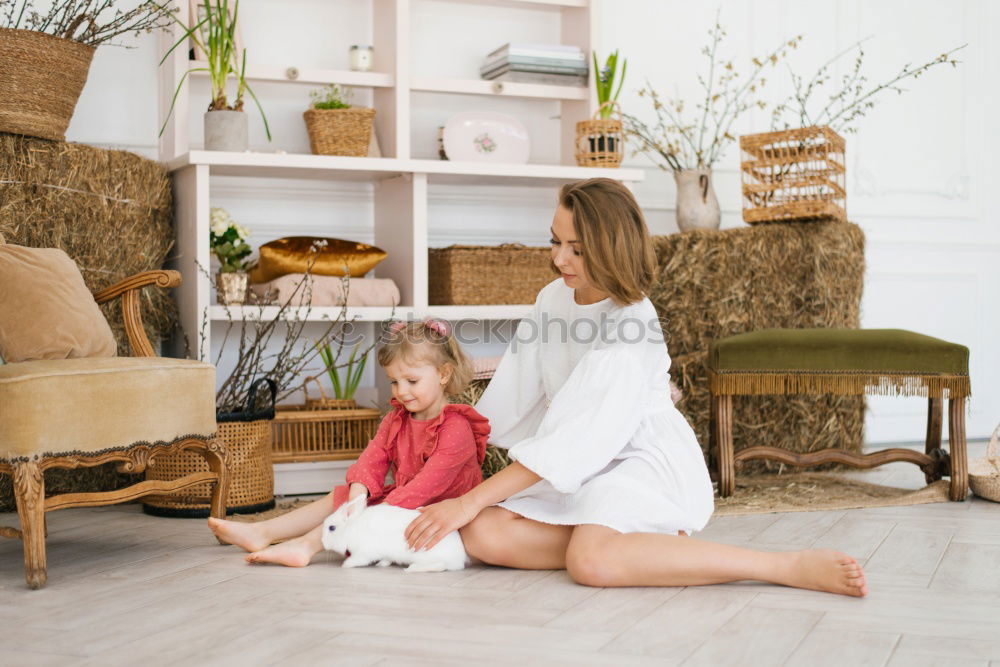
71 413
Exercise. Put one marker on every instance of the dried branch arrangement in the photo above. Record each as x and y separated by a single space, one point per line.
91 22
677 142
854 97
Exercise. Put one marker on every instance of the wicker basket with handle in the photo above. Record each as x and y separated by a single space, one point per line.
510 274
340 131
600 142
324 403
984 474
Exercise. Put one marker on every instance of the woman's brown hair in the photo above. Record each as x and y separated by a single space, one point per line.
416 342
617 249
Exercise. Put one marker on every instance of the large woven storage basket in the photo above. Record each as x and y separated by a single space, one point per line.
984 473
793 175
340 131
302 433
509 274
41 78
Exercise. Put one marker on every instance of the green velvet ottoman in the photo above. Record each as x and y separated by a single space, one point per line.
843 362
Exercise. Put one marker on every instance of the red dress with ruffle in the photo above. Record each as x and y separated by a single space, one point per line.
431 459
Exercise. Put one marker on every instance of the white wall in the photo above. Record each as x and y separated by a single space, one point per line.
917 181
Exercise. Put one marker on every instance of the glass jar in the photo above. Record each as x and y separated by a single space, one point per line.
361 58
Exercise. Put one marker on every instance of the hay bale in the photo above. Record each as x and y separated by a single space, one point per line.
112 212
790 275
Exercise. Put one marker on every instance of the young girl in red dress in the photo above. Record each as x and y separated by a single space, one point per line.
433 448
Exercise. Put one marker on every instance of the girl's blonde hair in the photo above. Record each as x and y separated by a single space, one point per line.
617 249
424 342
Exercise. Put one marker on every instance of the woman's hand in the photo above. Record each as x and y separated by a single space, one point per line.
436 521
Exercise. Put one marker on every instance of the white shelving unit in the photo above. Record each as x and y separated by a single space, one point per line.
400 183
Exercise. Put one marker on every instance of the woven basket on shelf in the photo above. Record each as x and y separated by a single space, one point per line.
324 403
984 473
480 275
793 175
41 79
251 489
600 142
340 131
302 434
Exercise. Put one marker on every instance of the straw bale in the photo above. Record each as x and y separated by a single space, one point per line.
788 275
111 211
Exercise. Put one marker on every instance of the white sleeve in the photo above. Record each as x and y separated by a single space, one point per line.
590 420
514 399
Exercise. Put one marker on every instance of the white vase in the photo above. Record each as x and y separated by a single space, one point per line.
697 206
226 131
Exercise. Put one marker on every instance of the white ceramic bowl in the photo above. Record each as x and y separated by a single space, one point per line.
486 136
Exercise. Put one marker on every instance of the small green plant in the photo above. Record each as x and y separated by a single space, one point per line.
227 240
604 79
332 96
345 388
215 35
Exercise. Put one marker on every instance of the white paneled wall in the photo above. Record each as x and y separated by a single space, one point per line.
921 170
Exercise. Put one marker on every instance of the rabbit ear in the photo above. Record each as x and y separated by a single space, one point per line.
355 506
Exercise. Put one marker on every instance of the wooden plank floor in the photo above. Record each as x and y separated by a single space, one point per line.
126 589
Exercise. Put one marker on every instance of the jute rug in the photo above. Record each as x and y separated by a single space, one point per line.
762 494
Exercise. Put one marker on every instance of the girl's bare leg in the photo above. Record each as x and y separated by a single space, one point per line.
256 536
600 556
501 537
293 553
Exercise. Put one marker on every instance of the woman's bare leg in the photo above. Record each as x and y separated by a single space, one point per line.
256 536
501 537
293 553
600 556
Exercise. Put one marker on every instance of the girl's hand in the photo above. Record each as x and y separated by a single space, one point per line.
436 521
357 489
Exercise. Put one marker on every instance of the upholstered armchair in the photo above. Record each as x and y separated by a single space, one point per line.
76 412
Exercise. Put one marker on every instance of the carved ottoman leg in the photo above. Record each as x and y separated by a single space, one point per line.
956 443
935 412
29 492
218 462
722 417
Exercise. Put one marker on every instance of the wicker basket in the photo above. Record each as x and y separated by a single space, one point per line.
301 434
41 79
324 403
509 274
251 489
793 175
984 474
600 142
340 131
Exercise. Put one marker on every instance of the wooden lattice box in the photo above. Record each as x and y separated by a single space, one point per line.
793 175
302 434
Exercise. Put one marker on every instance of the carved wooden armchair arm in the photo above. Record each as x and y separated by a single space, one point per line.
128 290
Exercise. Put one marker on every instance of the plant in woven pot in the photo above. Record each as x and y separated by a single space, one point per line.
799 172
46 57
344 386
227 240
690 145
335 127
599 140
215 36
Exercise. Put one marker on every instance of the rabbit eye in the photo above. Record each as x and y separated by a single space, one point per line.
333 528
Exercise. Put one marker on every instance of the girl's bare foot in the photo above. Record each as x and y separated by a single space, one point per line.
293 553
826 570
249 536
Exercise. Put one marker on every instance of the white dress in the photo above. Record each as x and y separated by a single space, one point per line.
582 399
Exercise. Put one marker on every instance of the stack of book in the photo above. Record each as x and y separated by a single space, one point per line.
550 64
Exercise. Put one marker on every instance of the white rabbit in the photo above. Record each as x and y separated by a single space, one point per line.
375 534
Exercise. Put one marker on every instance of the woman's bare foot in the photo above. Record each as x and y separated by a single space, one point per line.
827 570
249 536
293 553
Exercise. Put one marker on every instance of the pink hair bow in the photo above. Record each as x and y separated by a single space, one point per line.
432 324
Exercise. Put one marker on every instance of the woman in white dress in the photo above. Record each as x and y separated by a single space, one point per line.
607 478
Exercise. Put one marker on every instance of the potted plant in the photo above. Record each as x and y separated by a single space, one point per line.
343 388
599 140
227 241
335 127
46 57
689 146
215 36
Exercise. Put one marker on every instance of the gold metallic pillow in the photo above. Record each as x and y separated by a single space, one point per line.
293 254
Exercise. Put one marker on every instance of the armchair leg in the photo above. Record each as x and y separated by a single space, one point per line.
29 493
935 413
217 455
956 443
